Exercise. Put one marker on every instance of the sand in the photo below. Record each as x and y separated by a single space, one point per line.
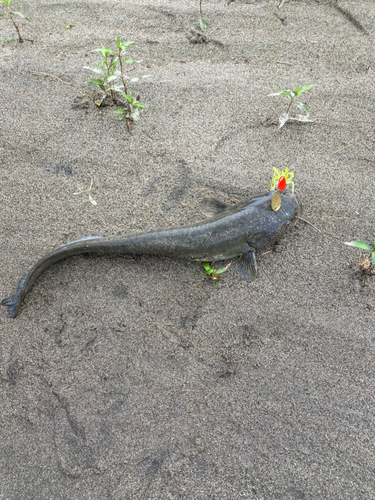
136 378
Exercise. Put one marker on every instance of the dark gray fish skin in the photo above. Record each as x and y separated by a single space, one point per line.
239 229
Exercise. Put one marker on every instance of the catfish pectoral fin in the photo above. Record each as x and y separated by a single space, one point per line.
247 266
211 207
12 303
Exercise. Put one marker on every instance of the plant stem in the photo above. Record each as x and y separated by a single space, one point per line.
122 74
291 102
109 74
20 39
200 8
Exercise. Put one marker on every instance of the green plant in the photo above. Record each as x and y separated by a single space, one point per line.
214 274
9 39
121 51
291 95
106 69
134 107
202 22
111 79
363 246
10 13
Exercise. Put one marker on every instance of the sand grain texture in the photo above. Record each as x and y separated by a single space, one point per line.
136 378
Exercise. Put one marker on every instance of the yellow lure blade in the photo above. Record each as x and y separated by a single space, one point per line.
276 202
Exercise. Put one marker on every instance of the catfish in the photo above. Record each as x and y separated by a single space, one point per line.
229 231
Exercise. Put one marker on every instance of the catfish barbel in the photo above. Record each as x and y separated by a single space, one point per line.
227 232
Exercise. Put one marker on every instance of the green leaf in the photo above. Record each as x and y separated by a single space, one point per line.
222 270
139 105
21 15
303 89
283 92
113 63
283 118
202 24
98 102
117 88
207 268
301 118
127 97
286 92
96 70
120 111
97 81
128 60
359 244
110 78
126 44
301 106
104 51
135 114
373 257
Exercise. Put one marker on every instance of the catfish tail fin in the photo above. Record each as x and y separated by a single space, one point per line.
14 301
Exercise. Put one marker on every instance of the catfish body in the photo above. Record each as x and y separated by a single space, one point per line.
228 232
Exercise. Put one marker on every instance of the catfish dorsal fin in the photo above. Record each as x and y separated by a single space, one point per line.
85 238
211 207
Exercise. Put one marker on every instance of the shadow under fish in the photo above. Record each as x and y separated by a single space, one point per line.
227 232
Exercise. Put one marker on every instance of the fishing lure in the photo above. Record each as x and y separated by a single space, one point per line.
281 180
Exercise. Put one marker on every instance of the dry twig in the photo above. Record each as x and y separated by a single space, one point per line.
39 73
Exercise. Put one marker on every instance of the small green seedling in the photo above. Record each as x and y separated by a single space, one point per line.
10 13
9 39
106 69
202 22
121 51
111 79
291 95
214 274
70 25
363 246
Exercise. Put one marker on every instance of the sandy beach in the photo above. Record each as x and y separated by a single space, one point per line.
135 377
